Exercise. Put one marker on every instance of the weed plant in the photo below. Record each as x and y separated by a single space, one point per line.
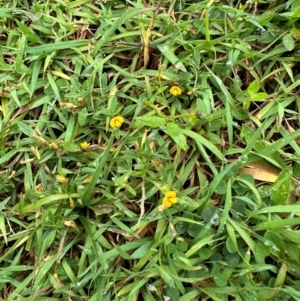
149 150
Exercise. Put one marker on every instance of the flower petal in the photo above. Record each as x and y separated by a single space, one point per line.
170 194
116 122
173 200
167 203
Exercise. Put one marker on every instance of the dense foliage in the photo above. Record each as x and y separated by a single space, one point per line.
149 150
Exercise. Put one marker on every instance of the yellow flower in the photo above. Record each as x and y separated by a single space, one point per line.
169 199
116 122
175 91
84 145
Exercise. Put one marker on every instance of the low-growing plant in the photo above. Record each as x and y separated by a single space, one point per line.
149 150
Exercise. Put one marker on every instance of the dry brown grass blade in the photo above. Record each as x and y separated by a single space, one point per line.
291 130
261 172
147 38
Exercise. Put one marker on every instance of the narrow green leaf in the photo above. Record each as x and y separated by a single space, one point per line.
177 135
243 234
277 224
47 200
3 227
35 74
70 129
281 208
42 273
199 139
82 116
28 32
52 47
129 13
20 54
152 121
103 160
167 51
279 144
53 86
196 247
227 206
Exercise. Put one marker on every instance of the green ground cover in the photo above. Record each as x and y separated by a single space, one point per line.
149 150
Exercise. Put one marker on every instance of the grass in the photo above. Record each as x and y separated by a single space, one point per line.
149 150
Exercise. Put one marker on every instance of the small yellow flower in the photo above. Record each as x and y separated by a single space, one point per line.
175 91
169 199
116 122
84 145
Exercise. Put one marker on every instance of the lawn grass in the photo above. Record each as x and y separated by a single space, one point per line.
149 150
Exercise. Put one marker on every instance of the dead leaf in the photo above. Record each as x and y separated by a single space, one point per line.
261 172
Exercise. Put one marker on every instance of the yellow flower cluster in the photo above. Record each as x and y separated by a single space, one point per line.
169 199
175 91
116 122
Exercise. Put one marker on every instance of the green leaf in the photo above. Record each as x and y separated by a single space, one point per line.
46 200
279 144
262 249
2 227
177 135
71 147
82 116
280 280
281 189
220 279
232 259
208 213
253 88
196 247
173 293
168 53
296 32
277 224
277 241
28 32
199 139
52 47
110 32
152 121
288 42
25 128
261 96
239 113
97 174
